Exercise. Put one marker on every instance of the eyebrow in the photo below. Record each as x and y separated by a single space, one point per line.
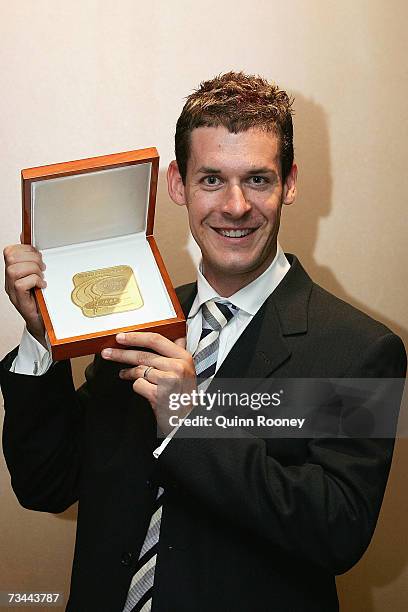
208 170
263 170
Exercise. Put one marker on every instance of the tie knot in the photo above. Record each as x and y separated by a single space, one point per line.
217 314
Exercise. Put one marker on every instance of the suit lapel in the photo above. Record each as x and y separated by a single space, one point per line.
186 295
291 299
259 350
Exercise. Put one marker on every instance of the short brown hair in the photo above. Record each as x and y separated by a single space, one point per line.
238 102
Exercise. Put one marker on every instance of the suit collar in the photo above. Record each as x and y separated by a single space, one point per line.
291 299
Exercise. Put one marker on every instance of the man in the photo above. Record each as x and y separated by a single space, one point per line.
245 523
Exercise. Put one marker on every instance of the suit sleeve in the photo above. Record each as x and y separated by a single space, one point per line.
42 435
323 511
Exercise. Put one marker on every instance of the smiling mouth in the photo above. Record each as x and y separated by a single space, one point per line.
234 233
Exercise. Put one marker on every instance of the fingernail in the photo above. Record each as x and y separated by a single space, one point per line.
120 337
121 373
107 352
43 266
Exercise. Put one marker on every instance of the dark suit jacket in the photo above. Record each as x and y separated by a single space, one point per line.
248 524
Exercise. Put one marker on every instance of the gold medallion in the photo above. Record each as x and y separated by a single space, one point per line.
105 291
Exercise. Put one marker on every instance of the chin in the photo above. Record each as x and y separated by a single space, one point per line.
233 268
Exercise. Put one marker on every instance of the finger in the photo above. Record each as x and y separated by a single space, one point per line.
120 356
18 289
137 358
181 342
23 287
10 253
27 248
22 253
19 270
155 342
133 373
153 376
146 390
25 283
15 283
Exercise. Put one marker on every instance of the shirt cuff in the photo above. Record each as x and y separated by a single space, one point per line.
32 358
158 451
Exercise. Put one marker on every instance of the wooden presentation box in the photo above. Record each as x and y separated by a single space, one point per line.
92 220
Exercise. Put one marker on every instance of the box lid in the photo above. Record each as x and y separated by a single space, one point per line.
90 199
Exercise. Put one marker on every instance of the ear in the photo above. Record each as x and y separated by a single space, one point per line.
175 184
289 188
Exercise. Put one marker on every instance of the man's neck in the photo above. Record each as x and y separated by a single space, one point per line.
227 285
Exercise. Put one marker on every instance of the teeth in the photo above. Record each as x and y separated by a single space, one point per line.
235 233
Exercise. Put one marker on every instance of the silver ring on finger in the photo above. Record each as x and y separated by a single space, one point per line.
146 372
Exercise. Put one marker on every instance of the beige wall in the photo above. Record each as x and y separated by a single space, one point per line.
89 77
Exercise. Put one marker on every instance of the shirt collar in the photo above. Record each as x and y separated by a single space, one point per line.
251 297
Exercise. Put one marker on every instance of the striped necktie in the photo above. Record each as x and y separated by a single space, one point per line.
139 597
215 316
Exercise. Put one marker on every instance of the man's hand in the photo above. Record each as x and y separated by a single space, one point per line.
169 364
24 271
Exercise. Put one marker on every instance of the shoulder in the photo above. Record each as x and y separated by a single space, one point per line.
350 330
328 311
334 327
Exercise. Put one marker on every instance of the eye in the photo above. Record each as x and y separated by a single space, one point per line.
211 181
257 180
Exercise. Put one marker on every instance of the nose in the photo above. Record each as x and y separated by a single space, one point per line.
235 204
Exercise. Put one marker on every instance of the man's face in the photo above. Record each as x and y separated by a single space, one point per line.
234 194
